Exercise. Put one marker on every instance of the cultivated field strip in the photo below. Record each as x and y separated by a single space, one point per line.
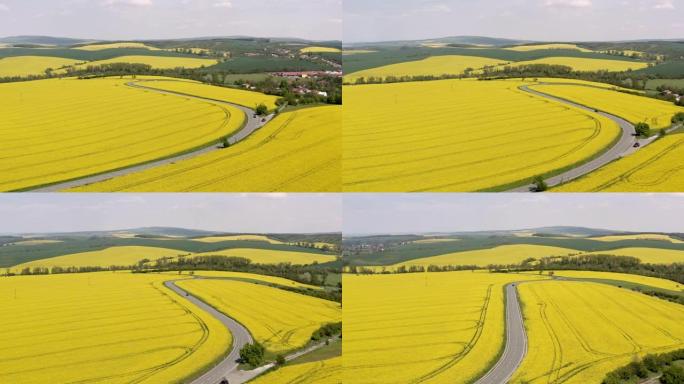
31 65
656 168
327 371
102 125
578 331
94 328
298 151
281 320
422 328
461 135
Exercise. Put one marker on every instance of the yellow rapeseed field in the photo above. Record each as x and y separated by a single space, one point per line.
158 62
504 254
433 65
535 47
218 239
655 168
278 319
645 280
108 327
269 256
119 256
320 49
237 96
35 242
56 130
634 108
579 331
648 255
298 151
249 276
356 51
100 47
443 327
585 64
461 135
32 65
327 371
639 236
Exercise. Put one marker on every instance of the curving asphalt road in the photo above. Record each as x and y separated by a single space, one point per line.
516 342
240 334
228 367
623 146
252 124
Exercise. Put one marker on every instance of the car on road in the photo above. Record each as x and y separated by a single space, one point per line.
636 145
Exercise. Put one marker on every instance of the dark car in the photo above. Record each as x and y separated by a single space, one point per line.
637 145
224 381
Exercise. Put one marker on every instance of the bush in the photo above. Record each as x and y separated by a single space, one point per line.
539 184
252 354
678 117
280 360
673 374
261 109
642 129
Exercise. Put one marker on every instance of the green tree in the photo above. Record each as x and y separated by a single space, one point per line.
642 129
252 354
261 109
280 360
674 374
539 184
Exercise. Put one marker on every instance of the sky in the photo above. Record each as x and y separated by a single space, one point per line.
160 19
416 213
255 213
542 20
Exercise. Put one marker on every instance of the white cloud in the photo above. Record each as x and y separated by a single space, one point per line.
137 3
4 8
569 3
664 4
223 4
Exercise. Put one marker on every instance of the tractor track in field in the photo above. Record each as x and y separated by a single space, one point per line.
228 367
252 124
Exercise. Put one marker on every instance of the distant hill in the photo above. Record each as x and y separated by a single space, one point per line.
459 40
42 40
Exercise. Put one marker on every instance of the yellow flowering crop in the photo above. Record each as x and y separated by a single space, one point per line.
120 256
461 135
100 47
579 331
216 239
57 130
238 96
639 236
645 280
536 47
504 254
251 276
103 327
160 62
320 49
270 256
585 64
32 65
648 255
327 371
633 108
433 65
278 319
298 151
445 327
655 168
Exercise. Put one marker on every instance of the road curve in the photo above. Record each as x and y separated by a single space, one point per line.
516 341
252 124
228 367
623 146
240 335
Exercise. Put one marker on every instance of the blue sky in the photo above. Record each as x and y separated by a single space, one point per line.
158 19
546 20
229 212
454 212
